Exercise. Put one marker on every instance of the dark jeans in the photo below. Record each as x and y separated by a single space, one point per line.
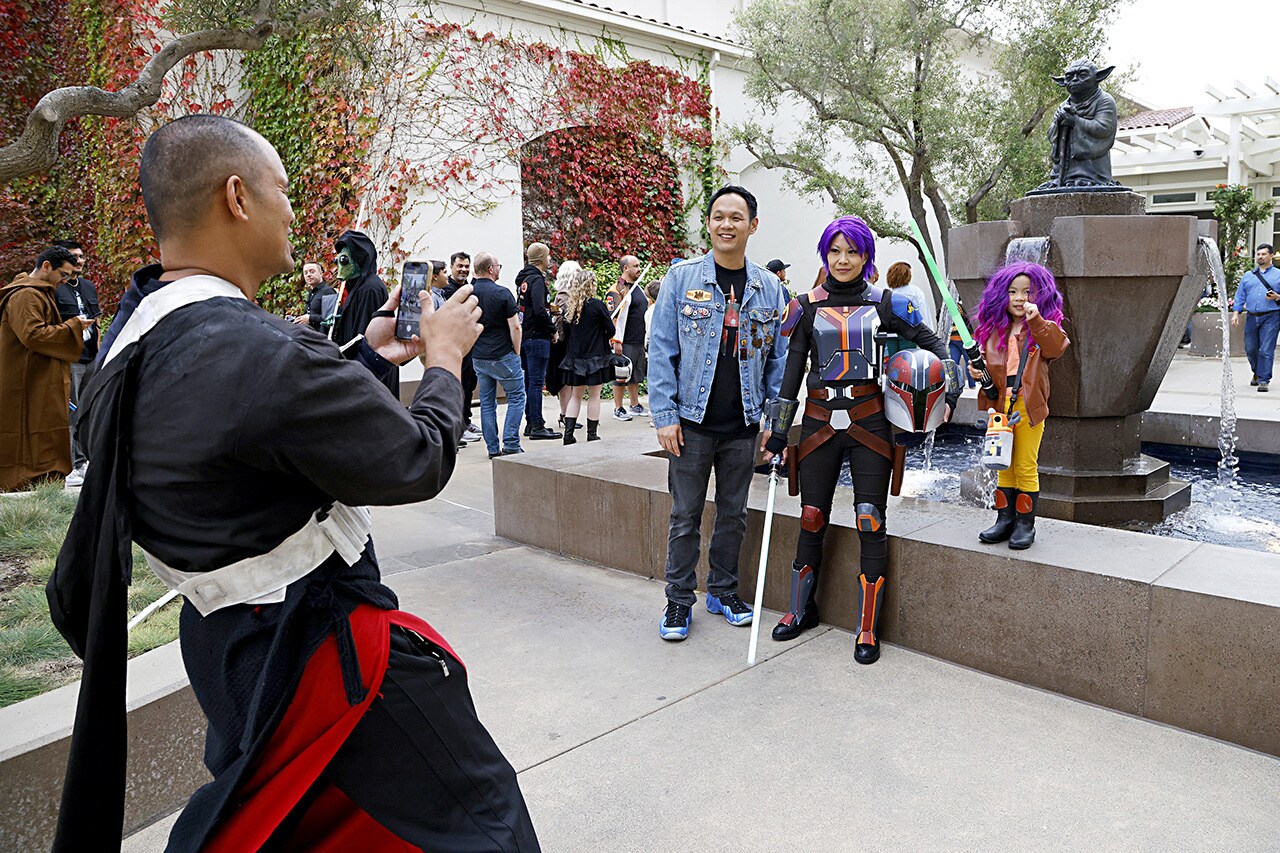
1260 331
77 379
535 354
687 478
961 358
469 382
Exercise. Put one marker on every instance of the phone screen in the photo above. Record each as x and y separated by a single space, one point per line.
414 279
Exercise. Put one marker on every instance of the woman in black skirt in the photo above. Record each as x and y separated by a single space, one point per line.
587 362
555 376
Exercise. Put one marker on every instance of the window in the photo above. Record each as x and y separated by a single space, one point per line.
1275 191
1172 198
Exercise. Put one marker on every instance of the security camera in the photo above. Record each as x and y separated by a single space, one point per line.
1199 152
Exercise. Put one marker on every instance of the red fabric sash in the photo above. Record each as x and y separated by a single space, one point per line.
315 725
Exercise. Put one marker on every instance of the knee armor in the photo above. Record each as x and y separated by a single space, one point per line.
812 519
870 519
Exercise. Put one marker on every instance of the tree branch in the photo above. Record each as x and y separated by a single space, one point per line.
37 148
972 202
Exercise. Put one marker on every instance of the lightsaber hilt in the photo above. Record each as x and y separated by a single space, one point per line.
980 365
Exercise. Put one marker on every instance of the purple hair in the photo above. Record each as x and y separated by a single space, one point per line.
858 235
993 310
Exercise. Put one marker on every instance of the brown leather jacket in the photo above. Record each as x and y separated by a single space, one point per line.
1048 342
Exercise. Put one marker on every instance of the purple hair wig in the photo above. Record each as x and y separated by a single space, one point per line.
993 310
858 235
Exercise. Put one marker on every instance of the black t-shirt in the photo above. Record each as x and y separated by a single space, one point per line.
77 297
724 417
634 333
497 305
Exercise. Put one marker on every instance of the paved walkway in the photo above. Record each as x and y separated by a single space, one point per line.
626 743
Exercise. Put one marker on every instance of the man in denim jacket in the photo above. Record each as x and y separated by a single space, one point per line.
716 357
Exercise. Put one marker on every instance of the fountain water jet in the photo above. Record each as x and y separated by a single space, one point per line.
1217 278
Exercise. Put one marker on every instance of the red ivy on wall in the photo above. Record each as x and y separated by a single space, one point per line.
592 195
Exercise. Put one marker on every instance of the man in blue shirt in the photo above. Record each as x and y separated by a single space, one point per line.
1258 294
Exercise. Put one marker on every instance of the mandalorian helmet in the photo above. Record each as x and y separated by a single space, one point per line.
915 389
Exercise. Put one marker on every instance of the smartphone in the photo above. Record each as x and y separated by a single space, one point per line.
416 277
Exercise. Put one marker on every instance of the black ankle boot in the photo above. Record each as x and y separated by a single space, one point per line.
804 605
570 424
1003 528
593 430
870 594
1024 526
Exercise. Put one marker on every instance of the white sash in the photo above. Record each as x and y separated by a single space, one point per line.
254 580
156 306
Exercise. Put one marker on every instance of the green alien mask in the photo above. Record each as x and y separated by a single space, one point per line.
348 266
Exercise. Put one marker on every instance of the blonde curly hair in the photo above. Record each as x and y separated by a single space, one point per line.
581 288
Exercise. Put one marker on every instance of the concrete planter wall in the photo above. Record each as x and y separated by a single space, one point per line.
1175 631
1206 336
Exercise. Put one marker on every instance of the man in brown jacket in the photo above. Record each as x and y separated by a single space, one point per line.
37 349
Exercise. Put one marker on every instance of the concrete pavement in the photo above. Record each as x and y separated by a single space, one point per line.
626 743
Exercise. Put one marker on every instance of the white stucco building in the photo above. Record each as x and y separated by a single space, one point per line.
1177 157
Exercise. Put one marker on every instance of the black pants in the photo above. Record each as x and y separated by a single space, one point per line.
469 382
819 473
422 764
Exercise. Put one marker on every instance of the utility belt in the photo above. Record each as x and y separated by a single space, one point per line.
844 392
264 579
835 421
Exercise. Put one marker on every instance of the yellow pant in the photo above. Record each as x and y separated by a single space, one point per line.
1023 474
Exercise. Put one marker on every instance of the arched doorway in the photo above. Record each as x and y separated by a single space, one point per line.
593 194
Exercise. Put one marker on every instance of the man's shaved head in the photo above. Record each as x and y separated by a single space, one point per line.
186 163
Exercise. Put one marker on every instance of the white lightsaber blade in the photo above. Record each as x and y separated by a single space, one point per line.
764 562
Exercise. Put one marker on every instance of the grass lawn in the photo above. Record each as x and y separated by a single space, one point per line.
33 656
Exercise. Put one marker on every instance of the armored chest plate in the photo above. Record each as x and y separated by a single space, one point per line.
846 342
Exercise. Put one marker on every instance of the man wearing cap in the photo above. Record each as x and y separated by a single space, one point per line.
535 351
778 268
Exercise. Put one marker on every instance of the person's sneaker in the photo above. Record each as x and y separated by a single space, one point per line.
1254 381
735 610
675 622
472 433
462 442
512 451
621 414
76 477
1262 386
638 409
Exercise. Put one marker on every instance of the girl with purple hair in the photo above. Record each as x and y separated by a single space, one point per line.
1020 326
832 348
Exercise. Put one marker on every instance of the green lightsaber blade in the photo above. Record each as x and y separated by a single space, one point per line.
956 316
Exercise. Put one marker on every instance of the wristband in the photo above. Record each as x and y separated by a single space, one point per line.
384 312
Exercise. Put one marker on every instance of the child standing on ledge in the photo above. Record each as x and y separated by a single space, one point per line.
1020 328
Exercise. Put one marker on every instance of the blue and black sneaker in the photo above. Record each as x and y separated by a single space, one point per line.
675 622
735 610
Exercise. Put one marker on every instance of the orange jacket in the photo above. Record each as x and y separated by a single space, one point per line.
1048 342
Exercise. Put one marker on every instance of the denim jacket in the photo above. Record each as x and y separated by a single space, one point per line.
684 341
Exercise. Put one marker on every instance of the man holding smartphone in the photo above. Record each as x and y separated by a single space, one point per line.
331 713
77 297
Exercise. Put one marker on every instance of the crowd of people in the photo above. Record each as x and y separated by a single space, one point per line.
332 713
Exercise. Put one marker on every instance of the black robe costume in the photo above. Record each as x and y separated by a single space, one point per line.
365 295
212 439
